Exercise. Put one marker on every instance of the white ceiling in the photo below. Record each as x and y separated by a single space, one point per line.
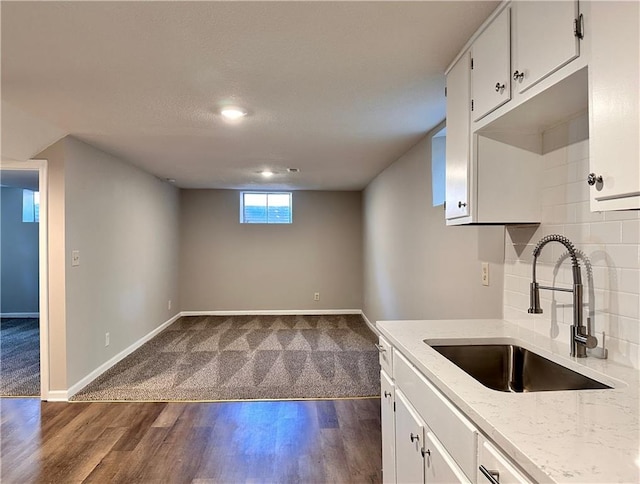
337 89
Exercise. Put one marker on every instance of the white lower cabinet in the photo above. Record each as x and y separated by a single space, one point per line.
409 439
496 467
426 439
439 467
387 404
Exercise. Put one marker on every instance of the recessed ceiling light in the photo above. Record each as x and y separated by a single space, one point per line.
233 113
266 173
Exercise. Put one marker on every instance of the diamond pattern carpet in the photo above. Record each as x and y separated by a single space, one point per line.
19 357
247 358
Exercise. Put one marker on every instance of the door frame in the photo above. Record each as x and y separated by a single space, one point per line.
43 263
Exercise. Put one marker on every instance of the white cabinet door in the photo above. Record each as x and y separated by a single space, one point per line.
439 467
614 129
458 139
492 462
388 429
491 66
543 39
409 441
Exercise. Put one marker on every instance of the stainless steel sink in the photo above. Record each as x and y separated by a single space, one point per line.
511 368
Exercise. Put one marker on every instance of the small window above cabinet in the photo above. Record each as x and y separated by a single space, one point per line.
491 67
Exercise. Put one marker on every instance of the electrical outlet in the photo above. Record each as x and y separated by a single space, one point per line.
106 339
169 305
316 296
485 273
75 258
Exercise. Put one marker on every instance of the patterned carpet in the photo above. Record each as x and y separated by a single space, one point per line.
19 357
247 358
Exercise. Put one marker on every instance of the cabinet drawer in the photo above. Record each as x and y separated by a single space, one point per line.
453 430
497 464
386 360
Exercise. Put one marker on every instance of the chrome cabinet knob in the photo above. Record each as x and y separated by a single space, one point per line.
461 204
426 452
518 76
387 394
414 437
499 87
592 179
379 348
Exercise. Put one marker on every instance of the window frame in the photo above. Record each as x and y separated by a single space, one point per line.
267 193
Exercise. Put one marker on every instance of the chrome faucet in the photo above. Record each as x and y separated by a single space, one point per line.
580 340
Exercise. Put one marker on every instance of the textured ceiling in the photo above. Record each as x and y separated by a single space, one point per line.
337 89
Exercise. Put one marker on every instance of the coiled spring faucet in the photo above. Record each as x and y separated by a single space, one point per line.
580 340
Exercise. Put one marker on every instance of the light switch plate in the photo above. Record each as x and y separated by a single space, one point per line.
75 258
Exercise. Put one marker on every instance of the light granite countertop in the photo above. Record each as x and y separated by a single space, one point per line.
557 436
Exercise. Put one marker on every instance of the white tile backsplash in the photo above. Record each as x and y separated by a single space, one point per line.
610 245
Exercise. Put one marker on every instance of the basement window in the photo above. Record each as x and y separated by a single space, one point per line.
30 206
265 208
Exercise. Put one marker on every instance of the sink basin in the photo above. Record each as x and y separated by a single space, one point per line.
511 368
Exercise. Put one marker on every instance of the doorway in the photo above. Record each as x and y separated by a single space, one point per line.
23 302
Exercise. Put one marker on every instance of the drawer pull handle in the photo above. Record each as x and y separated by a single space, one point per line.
380 348
415 437
492 476
387 394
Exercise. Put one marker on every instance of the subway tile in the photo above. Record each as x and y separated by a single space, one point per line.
576 192
626 329
605 233
578 151
631 232
629 281
622 215
584 214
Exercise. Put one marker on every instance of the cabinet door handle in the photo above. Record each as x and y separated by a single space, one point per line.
492 476
415 437
499 87
518 76
592 179
461 204
387 394
380 348
426 452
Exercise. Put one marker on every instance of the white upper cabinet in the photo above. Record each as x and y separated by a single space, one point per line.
491 66
458 139
614 129
544 39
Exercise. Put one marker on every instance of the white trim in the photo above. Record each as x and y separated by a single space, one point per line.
272 312
57 396
19 315
75 388
43 262
372 327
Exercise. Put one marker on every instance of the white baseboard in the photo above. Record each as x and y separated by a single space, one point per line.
75 388
19 315
371 326
272 312
56 396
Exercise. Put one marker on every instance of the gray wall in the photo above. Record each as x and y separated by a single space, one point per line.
19 256
125 224
226 265
414 266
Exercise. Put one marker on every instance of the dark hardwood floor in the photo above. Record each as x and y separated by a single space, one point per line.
283 441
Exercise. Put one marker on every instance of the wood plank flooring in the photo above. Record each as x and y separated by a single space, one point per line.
232 442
